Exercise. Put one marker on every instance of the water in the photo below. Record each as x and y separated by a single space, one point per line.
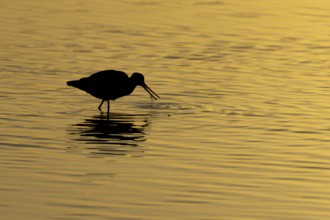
241 130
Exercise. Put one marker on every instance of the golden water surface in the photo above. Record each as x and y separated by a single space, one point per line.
242 129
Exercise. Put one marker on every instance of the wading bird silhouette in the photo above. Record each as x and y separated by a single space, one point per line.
111 85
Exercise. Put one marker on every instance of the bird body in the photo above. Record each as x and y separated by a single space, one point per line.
110 85
106 84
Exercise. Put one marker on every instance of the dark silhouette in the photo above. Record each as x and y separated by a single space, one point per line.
120 135
111 85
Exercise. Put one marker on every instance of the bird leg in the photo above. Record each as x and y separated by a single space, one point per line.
101 105
108 107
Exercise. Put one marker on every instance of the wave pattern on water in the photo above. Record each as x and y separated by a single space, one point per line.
241 130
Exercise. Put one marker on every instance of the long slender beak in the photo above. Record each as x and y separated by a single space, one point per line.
152 93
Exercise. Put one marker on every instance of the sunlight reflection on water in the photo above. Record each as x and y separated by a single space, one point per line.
241 130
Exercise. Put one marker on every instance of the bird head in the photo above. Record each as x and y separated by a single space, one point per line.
138 79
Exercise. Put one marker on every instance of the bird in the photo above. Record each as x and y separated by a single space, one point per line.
110 85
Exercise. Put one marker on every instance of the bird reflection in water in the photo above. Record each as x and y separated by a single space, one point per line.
119 135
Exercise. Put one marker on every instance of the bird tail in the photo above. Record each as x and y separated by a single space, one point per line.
73 83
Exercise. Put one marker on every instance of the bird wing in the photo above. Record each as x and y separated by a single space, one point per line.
106 84
110 75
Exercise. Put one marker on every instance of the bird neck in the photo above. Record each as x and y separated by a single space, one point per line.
131 88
